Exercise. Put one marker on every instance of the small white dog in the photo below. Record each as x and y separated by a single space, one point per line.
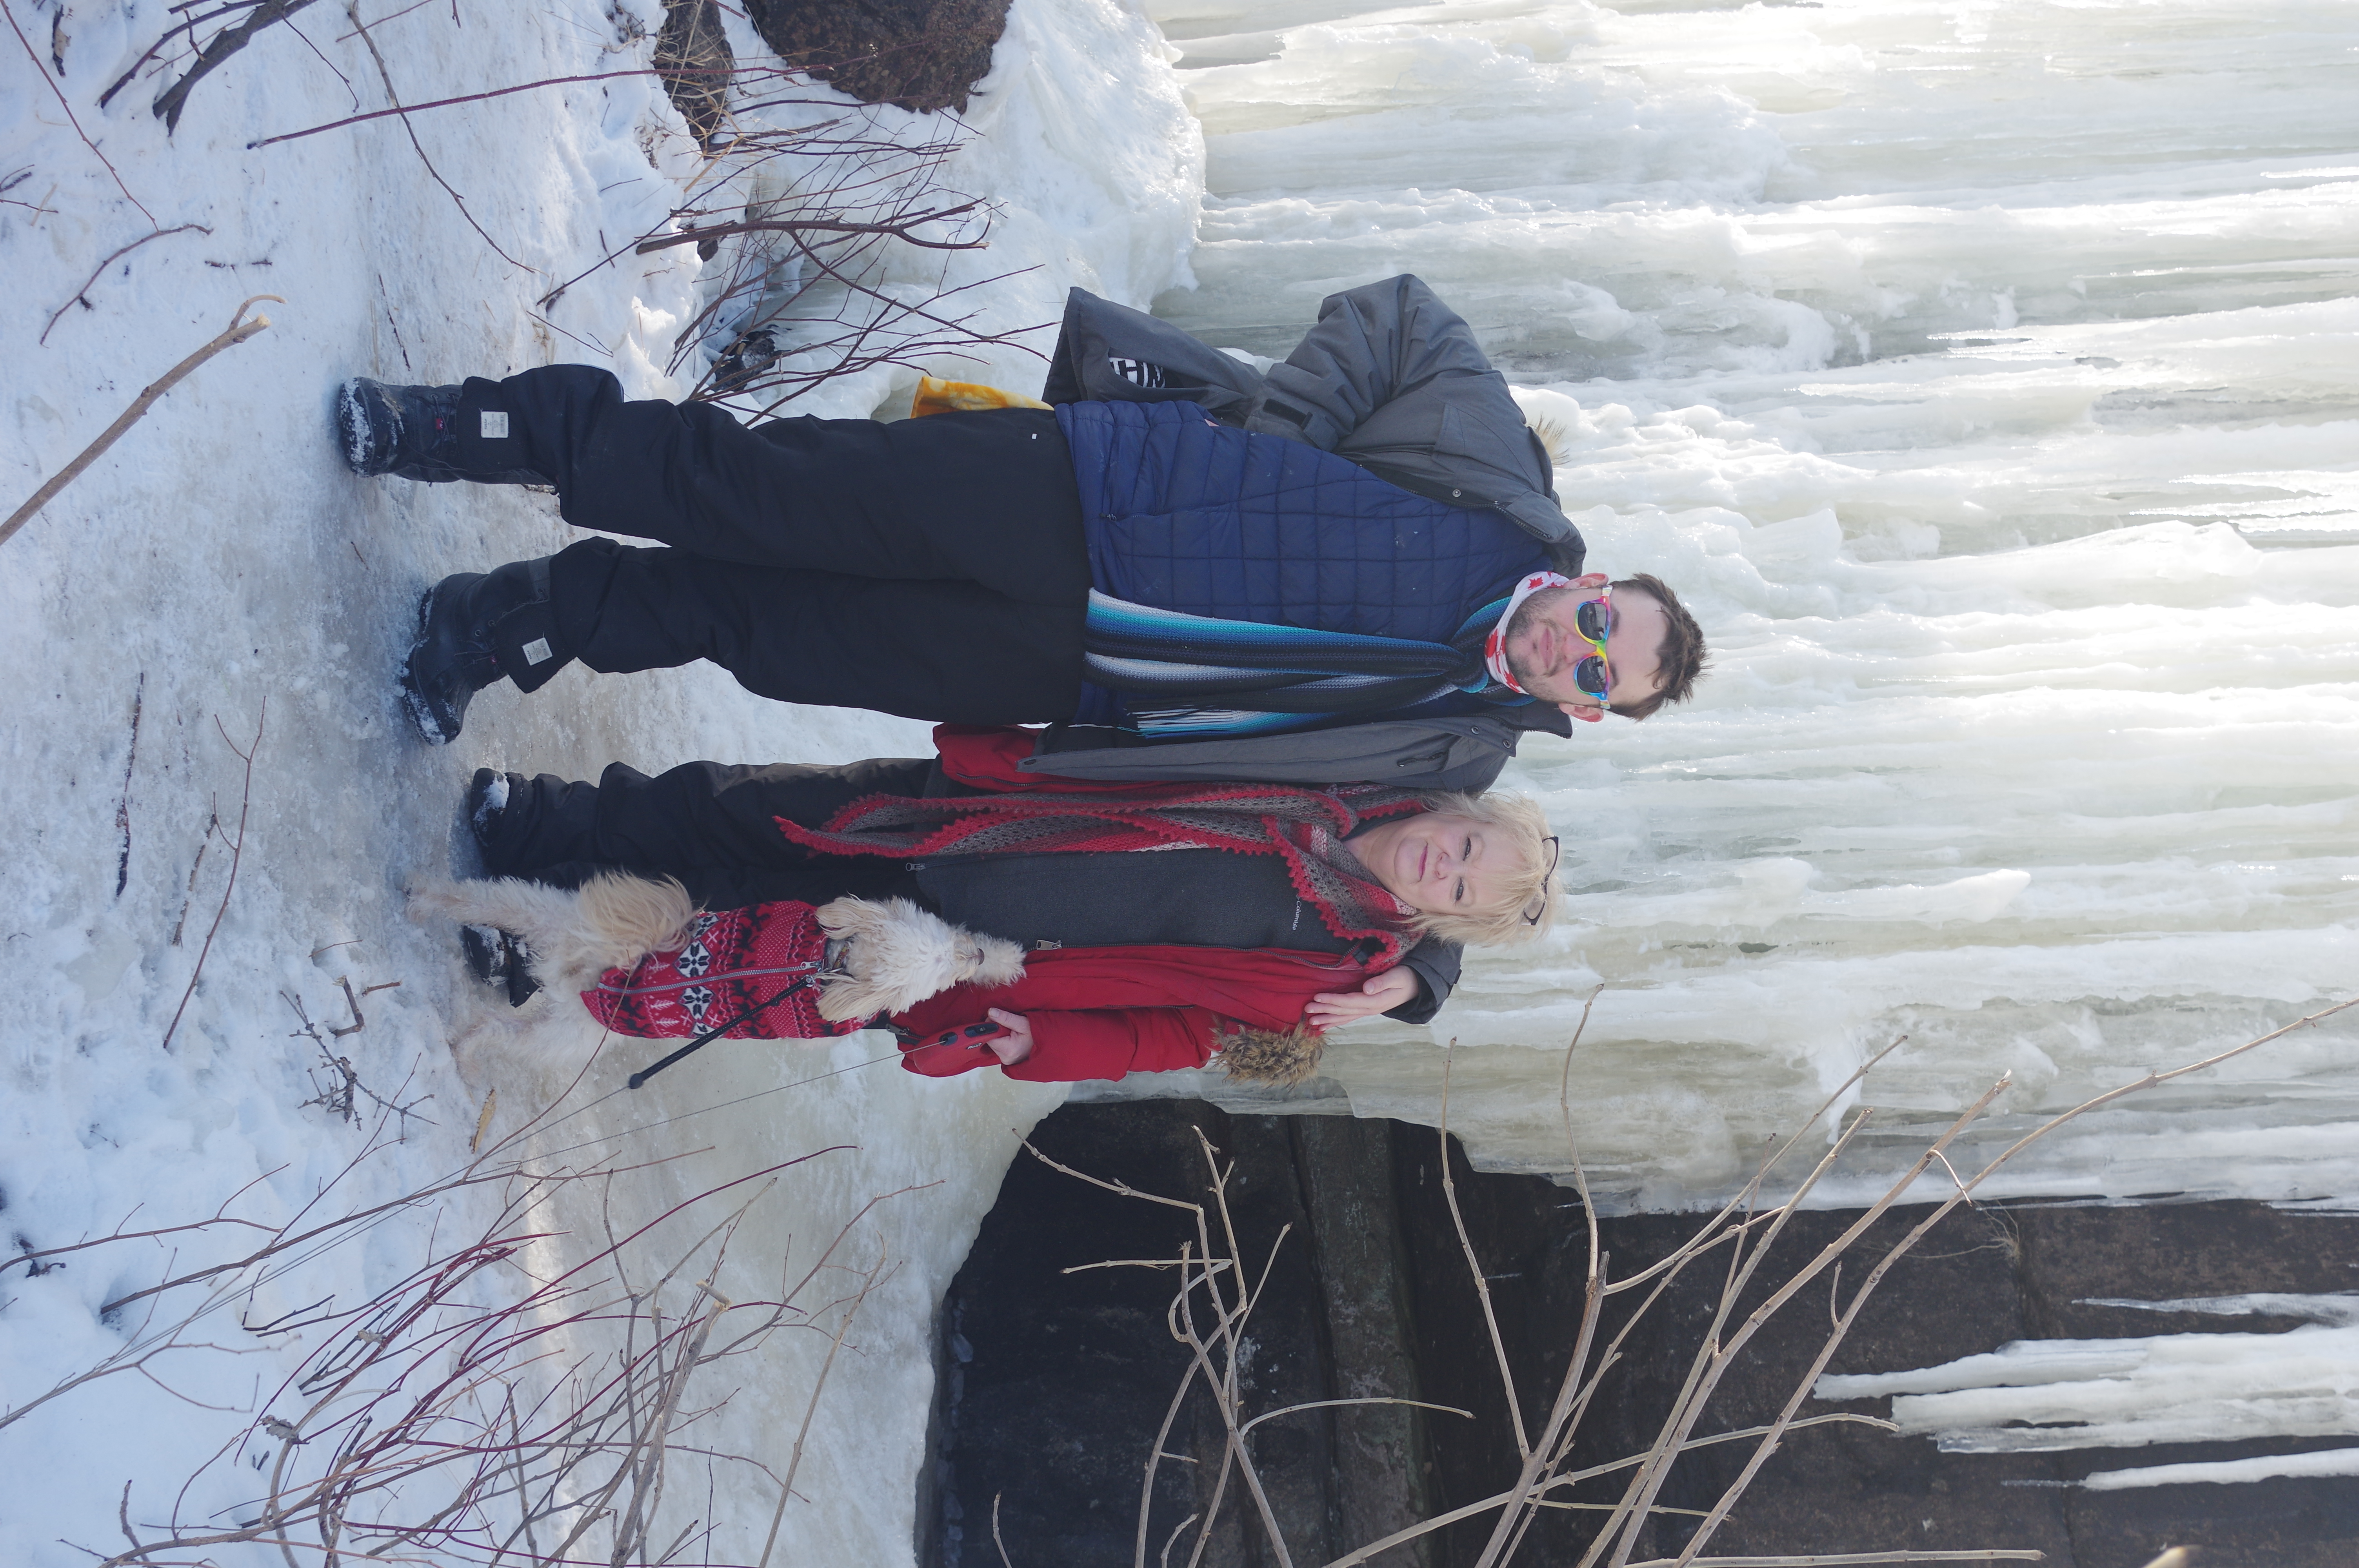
881 957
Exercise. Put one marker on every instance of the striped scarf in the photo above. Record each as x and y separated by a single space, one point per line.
1195 675
1305 827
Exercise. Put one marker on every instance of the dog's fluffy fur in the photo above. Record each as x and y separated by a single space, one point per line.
899 955
894 955
574 937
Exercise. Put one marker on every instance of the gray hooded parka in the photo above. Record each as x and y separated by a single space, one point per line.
1392 379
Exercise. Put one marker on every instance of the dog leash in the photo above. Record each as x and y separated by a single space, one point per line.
717 1030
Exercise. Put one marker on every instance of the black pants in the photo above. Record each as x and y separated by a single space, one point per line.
711 825
931 567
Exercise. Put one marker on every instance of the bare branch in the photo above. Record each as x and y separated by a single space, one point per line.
77 296
1474 1267
447 102
42 72
386 76
238 332
174 99
237 849
903 230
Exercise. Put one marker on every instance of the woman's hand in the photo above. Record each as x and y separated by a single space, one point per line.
1016 1043
1382 993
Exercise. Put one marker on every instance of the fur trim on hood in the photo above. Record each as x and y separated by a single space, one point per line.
1280 1058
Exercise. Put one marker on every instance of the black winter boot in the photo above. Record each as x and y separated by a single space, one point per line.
487 796
473 628
413 432
501 960
484 948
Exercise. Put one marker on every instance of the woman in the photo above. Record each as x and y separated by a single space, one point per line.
1158 918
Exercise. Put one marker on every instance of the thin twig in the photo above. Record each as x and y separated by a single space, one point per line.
1640 1502
1573 1391
386 76
1714 1356
445 103
1963 1194
1375 1549
76 298
34 55
900 230
236 854
238 331
1474 1266
1369 1399
1831 1560
794 1463
123 803
188 26
174 99
121 1235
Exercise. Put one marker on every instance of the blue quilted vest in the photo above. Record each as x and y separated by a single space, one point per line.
1184 514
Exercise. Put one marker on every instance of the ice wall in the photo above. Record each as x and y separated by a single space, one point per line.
1984 377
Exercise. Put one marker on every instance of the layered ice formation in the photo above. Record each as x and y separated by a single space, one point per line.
1985 378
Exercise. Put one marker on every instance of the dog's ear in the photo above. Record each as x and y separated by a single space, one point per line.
900 954
998 962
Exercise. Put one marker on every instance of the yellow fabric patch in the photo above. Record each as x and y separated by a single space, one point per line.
945 397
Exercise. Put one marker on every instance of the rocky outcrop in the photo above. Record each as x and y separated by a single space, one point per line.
696 65
1054 1383
916 54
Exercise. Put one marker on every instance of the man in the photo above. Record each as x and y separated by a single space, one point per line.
1353 568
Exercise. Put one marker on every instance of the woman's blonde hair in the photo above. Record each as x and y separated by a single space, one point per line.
1528 895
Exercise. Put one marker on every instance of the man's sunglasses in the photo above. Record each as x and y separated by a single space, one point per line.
1538 904
1594 622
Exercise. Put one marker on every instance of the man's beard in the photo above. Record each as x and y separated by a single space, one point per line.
1520 622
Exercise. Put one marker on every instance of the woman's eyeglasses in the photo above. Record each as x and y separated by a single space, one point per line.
1538 904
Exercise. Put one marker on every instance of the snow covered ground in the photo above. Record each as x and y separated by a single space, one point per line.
2006 447
217 583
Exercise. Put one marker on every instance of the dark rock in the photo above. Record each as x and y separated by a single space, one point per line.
916 54
695 63
1067 1377
1055 1384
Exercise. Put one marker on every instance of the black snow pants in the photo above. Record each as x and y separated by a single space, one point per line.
711 825
931 567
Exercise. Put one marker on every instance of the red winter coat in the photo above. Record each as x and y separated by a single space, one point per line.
1099 1013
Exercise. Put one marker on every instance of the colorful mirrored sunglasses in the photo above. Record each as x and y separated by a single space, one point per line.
1594 622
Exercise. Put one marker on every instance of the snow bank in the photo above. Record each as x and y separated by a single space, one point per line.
219 563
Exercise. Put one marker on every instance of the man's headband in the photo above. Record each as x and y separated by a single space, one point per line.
1494 647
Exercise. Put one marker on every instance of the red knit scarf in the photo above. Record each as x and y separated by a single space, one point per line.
1306 828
